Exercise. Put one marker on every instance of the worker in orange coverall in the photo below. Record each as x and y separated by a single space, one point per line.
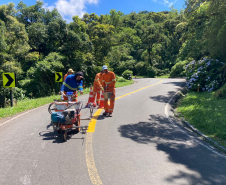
70 72
108 83
97 87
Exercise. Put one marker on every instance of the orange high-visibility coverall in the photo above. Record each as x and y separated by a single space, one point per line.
109 80
65 76
97 85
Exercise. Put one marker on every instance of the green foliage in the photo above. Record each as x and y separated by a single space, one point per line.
205 113
127 74
221 93
178 70
18 93
161 72
42 76
35 13
151 71
37 33
122 80
141 68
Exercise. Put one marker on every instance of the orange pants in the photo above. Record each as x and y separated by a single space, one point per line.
73 97
98 96
110 108
96 91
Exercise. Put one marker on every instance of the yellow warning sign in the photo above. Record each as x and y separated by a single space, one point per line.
59 77
9 80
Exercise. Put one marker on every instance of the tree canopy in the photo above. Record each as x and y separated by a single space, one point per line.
36 42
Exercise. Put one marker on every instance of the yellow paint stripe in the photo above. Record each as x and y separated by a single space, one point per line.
93 173
93 121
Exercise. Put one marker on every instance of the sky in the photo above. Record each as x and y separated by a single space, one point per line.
69 8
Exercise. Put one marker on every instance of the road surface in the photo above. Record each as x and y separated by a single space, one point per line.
140 144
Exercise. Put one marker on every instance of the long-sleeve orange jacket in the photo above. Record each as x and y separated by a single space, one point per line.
98 81
109 80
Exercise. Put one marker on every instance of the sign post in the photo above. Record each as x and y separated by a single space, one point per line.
9 81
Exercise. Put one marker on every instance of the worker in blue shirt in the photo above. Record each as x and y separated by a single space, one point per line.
72 83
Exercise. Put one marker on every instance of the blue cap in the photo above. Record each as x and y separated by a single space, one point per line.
104 67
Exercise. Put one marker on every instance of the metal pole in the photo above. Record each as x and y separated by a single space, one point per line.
11 96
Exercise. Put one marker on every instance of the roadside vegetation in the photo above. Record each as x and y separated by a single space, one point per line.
36 42
27 104
206 113
163 76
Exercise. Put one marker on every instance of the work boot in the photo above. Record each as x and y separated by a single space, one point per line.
105 113
110 114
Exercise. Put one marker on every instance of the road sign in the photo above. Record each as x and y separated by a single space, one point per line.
9 80
59 77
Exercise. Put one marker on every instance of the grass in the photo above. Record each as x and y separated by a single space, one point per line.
121 84
27 104
206 113
163 76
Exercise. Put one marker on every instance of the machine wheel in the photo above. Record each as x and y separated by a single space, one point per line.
64 135
54 127
78 124
51 108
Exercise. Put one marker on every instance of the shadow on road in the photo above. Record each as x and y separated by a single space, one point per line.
179 84
208 168
50 135
170 94
163 99
56 136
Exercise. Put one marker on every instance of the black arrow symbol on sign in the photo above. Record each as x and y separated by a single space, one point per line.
59 76
10 80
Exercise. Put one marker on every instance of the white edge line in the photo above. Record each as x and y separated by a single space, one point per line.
171 121
21 115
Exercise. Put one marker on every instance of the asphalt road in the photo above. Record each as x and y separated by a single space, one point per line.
140 144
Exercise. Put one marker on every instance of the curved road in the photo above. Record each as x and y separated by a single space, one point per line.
140 144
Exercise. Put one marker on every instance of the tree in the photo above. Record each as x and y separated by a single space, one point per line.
14 45
37 33
101 37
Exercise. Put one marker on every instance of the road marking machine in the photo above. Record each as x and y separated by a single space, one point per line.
66 116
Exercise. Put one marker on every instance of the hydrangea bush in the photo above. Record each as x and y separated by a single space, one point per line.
206 73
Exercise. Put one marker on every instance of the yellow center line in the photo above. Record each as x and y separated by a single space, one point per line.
93 173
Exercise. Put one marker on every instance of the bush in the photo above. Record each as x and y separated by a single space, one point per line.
221 93
151 71
205 72
117 77
18 93
161 72
97 69
125 65
121 80
35 89
178 70
141 68
127 74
